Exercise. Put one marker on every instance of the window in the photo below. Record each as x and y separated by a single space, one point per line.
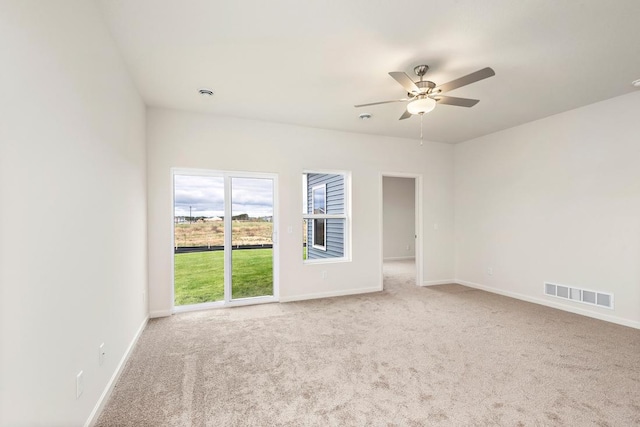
325 216
319 199
319 207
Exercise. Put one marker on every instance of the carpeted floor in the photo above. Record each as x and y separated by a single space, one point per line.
408 356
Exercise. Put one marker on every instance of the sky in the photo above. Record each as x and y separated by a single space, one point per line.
205 196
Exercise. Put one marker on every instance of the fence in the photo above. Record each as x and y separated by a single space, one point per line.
189 249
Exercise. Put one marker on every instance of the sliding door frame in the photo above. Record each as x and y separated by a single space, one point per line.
228 301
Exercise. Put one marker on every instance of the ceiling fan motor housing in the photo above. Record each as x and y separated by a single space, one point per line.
424 86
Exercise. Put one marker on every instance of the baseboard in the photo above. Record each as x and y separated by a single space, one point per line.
400 258
438 282
93 417
160 313
329 294
553 304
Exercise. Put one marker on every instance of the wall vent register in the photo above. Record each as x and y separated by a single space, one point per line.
585 296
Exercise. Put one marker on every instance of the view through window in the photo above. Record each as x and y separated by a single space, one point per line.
324 213
199 238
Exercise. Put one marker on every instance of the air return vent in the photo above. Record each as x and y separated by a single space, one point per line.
600 299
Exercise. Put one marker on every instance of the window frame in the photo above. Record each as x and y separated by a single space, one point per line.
345 216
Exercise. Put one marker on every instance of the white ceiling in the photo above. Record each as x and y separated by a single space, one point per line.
308 62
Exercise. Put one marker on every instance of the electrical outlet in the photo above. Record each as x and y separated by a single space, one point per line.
407 248
101 354
79 384
490 271
324 274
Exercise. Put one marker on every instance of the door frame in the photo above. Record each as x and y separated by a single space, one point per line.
418 221
227 301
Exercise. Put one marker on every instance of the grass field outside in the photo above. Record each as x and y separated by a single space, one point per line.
199 276
212 233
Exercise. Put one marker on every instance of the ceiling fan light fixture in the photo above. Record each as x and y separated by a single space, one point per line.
421 106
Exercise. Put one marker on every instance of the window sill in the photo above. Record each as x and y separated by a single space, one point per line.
325 261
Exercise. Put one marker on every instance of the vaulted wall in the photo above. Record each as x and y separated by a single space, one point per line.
204 141
73 244
556 200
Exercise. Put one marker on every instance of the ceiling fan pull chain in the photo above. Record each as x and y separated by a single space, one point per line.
421 117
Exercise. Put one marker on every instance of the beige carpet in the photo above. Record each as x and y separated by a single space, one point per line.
408 356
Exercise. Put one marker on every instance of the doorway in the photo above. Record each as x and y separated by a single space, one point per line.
401 230
225 245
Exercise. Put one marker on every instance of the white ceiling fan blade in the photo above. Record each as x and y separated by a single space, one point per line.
405 81
381 102
466 80
459 102
405 115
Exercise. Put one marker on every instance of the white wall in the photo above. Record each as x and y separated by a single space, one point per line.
555 200
73 211
190 140
398 212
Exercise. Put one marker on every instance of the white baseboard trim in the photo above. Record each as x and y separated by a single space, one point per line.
329 294
553 304
222 304
438 282
160 313
93 417
400 258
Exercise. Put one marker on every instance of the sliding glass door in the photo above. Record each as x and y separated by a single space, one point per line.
224 228
251 237
199 233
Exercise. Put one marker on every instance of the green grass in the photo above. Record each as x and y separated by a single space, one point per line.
199 276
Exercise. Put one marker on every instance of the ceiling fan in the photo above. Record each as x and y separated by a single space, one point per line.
423 95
